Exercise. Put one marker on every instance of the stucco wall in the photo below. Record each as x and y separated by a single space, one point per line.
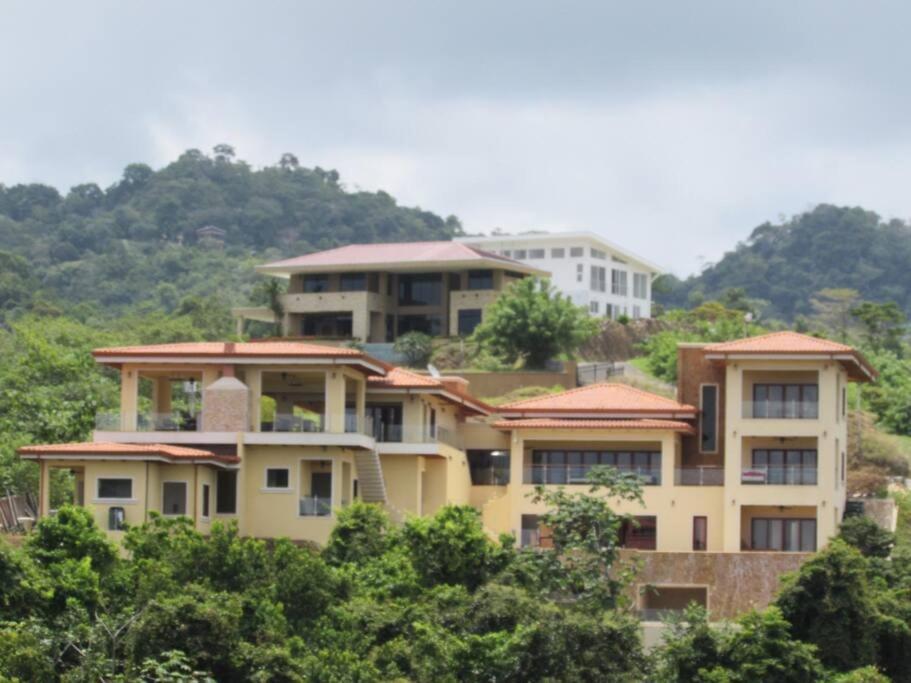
736 582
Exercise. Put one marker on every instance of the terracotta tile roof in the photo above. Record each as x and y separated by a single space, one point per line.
600 398
354 255
551 423
400 378
794 343
779 342
282 349
137 450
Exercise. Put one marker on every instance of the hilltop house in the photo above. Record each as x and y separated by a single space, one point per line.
743 473
377 292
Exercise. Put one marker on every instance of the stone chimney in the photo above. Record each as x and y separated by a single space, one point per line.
226 406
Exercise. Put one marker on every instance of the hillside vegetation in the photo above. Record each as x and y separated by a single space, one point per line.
136 241
784 265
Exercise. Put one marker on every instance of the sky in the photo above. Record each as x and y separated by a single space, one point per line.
671 128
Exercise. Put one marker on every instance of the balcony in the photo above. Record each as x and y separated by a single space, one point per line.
285 422
780 475
385 432
780 410
699 476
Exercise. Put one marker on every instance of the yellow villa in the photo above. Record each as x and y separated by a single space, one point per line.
743 473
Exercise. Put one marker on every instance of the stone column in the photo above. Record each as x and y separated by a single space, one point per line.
226 406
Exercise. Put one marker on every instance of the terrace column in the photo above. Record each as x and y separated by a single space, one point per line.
254 379
733 455
334 417
161 399
129 398
360 404
668 457
516 482
44 489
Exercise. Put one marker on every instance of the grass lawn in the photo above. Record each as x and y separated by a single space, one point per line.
641 364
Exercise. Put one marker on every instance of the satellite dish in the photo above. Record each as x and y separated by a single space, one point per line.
431 368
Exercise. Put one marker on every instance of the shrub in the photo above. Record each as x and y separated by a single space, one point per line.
416 347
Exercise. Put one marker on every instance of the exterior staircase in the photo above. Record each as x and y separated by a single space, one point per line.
371 485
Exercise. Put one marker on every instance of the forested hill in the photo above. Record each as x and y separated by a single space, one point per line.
784 265
136 242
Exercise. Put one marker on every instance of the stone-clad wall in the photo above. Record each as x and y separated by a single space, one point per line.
225 406
737 582
693 370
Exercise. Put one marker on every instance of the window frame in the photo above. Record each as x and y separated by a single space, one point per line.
218 510
206 507
186 497
780 406
107 499
558 252
276 489
784 533
484 275
466 311
705 533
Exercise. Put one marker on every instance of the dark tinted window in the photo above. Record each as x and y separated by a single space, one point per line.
226 493
115 488
709 422
174 498
428 324
423 289
277 478
469 318
316 283
206 489
488 468
480 279
352 282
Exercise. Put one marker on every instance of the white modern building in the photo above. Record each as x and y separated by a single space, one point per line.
597 274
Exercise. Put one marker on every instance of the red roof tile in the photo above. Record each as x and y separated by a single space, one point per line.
366 255
619 425
400 378
780 342
599 398
796 344
137 450
283 349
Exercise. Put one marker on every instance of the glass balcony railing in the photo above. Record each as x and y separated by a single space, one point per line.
780 475
781 410
699 476
315 506
282 422
150 422
575 474
386 432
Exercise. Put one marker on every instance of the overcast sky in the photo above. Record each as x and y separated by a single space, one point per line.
671 128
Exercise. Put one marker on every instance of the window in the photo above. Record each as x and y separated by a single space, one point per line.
115 489
507 253
455 282
618 282
792 535
785 401
488 468
174 498
640 534
557 252
386 419
206 496
480 279
576 252
572 467
598 279
534 534
352 282
469 318
593 306
424 289
535 253
783 467
637 311
640 285
428 324
700 533
597 253
277 478
316 283
708 419
608 311
519 254
844 401
226 492
580 272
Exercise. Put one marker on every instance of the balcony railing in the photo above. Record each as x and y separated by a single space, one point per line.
699 476
490 476
150 422
576 474
781 410
386 432
286 422
314 506
780 475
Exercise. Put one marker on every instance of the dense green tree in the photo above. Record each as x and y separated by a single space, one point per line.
534 323
884 325
867 536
